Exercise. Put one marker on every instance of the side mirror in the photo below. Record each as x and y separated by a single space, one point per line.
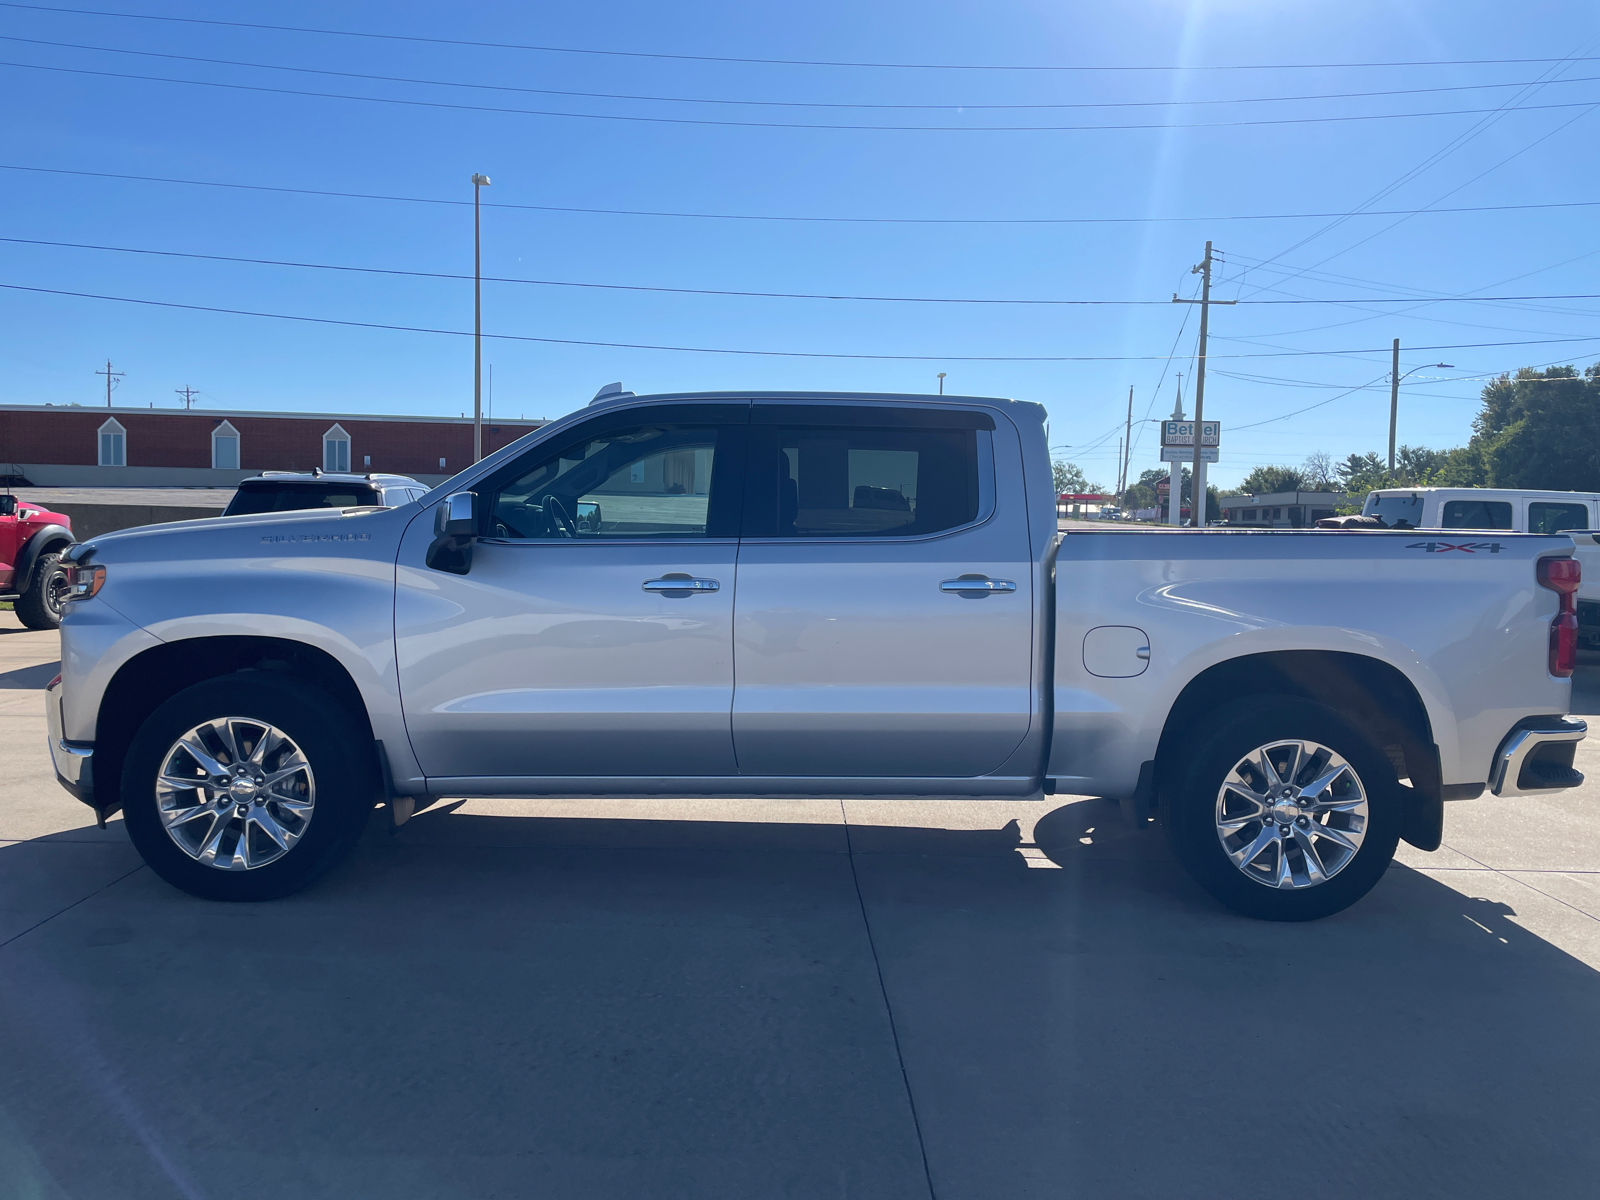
8 505
455 526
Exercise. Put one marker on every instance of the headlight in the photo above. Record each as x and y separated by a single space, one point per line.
86 581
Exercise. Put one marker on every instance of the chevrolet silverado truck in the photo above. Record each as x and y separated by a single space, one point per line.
32 539
781 594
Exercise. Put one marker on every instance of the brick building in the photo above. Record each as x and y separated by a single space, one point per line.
71 446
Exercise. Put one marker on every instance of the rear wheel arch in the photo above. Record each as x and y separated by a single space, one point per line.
1374 696
149 679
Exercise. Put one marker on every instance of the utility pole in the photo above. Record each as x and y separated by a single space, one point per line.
1175 476
1127 441
1394 401
1197 474
188 395
110 375
479 182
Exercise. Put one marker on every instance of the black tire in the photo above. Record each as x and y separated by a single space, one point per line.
1191 812
343 774
40 606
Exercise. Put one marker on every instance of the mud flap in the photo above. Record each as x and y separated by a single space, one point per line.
1422 824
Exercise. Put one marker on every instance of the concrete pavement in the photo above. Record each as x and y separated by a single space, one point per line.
788 998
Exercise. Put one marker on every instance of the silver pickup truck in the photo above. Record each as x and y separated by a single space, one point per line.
803 595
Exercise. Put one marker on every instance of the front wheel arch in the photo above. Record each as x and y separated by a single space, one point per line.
155 675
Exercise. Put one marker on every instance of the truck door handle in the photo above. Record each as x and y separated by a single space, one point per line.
977 583
680 583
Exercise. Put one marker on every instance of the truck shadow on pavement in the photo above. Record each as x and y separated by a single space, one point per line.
582 1007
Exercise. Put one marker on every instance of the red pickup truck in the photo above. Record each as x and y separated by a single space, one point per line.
31 575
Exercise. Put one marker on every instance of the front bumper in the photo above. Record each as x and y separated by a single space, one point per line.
1536 756
73 761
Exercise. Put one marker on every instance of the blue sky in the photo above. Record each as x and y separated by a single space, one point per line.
1497 146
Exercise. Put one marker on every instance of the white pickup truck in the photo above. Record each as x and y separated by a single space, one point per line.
803 595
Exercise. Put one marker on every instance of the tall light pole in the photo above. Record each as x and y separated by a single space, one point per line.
479 182
1394 394
941 383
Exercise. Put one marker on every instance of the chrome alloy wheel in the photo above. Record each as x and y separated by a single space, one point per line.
1291 814
235 793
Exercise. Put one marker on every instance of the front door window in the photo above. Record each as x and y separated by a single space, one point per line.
638 481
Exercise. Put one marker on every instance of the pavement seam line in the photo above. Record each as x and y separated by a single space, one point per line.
71 906
888 1009
1526 884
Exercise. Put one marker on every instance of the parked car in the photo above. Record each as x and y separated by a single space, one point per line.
284 491
742 613
32 539
1499 510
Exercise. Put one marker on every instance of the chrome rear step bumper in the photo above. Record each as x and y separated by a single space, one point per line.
1536 757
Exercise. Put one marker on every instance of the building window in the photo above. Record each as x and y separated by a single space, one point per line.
225 447
113 444
336 450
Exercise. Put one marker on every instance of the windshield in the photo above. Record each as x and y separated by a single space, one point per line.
1396 510
285 497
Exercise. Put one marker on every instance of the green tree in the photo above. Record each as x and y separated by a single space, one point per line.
1541 429
1264 481
1069 478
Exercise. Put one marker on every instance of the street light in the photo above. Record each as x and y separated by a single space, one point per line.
941 383
1394 393
479 182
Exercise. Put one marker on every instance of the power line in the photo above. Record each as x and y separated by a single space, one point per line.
708 121
961 106
759 295
704 216
634 287
1440 155
776 62
516 337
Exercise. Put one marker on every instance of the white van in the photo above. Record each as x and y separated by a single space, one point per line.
1513 511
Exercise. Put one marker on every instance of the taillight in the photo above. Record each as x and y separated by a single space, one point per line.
86 581
1561 575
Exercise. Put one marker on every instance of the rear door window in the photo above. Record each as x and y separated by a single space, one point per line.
1554 517
291 496
910 475
1476 514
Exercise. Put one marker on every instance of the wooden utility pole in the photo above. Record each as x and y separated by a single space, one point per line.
1127 441
1394 401
1197 476
110 375
188 395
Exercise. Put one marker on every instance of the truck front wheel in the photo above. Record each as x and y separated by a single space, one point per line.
1282 810
40 606
247 787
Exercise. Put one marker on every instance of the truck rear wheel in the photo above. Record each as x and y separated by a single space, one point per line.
40 606
1283 810
247 787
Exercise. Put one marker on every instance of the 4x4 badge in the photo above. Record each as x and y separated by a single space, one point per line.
1464 547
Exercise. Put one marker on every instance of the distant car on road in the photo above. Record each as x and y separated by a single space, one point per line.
285 491
32 539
